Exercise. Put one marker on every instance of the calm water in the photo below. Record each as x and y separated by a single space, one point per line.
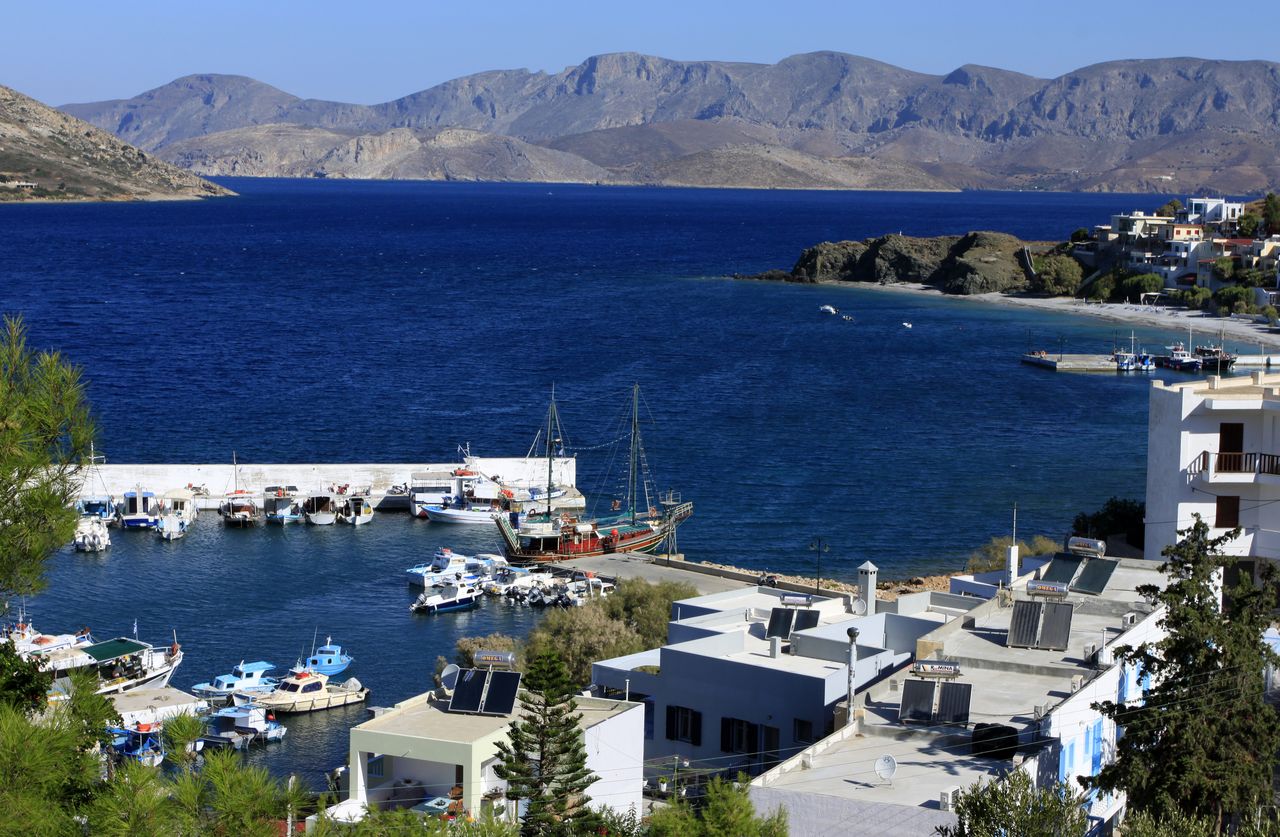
328 321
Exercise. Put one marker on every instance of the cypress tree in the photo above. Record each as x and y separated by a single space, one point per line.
544 760
1203 739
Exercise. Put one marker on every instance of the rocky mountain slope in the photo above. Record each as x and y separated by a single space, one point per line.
66 158
1175 124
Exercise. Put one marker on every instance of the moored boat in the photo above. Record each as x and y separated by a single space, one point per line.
249 678
142 743
280 504
92 534
356 509
239 726
427 488
171 527
321 509
120 664
329 659
241 509
307 691
1215 359
139 510
447 597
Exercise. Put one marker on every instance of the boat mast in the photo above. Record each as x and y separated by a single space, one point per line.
551 421
635 444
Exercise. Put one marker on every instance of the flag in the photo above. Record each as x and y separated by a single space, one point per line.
135 627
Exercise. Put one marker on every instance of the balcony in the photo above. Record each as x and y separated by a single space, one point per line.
1236 467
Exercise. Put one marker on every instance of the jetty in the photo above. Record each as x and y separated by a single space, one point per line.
212 482
1071 363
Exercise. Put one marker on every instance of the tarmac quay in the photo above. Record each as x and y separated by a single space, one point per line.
656 568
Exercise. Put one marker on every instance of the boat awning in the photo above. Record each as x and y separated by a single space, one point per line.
113 649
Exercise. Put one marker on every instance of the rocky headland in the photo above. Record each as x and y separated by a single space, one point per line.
969 264
47 155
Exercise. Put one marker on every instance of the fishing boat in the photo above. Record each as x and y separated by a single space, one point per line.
180 502
241 509
329 659
1215 358
139 510
356 509
142 743
91 534
245 677
239 726
307 691
447 597
1179 359
95 500
321 509
428 488
171 527
120 664
638 526
448 565
280 504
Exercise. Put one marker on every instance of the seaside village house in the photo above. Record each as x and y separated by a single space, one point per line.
1213 449
948 689
437 757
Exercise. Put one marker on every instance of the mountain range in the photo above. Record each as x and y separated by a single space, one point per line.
818 120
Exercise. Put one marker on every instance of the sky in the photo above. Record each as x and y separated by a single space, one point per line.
60 51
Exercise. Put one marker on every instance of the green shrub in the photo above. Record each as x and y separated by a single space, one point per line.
1103 287
1234 300
1131 288
1057 275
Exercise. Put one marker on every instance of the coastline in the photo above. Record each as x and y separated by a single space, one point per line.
1173 319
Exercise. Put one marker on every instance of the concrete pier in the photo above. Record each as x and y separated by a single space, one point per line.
1071 363
221 478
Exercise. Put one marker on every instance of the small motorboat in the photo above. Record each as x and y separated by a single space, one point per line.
171 527
249 678
140 510
321 509
180 502
97 505
239 726
906 325
92 535
280 504
241 509
329 659
307 691
142 743
356 509
828 309
457 595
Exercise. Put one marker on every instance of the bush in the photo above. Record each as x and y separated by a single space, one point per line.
1103 287
1131 288
1194 298
1249 225
1170 209
1081 234
991 555
1224 269
1271 314
1116 517
1234 300
1057 275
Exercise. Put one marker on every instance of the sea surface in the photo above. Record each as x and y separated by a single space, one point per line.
320 321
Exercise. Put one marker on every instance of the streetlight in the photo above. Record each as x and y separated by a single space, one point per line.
853 661
819 545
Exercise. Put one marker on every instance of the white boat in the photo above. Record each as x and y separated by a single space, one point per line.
239 726
321 509
448 565
171 527
280 504
355 509
180 502
307 691
241 508
427 488
92 535
120 664
249 678
95 500
828 309
139 510
447 597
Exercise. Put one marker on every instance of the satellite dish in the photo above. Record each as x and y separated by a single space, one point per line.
886 767
859 607
449 676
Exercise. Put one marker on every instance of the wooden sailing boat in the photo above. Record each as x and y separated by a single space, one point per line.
549 537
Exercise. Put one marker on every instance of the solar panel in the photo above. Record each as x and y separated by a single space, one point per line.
953 703
1095 575
1062 568
805 619
917 702
500 699
1023 624
779 622
1057 626
468 691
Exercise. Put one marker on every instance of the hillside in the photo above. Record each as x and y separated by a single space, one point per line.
66 158
1173 124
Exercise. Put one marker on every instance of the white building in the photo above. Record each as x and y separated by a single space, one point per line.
420 755
1211 211
1040 698
722 694
1213 449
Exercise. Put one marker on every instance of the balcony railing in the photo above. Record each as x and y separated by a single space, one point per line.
1236 463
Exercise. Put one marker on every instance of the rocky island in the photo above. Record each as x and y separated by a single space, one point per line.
973 263
47 155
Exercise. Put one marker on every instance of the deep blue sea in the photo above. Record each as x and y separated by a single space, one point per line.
334 321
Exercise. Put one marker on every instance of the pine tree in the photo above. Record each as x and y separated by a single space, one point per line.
544 761
1203 740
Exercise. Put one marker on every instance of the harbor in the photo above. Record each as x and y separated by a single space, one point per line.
1067 362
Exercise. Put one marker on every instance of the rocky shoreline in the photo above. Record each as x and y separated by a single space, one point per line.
970 264
888 590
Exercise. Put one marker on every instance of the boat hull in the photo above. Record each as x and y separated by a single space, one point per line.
436 514
331 698
322 518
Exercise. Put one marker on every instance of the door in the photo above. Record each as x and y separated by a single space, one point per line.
1231 446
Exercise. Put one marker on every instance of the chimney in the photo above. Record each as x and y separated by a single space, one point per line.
775 647
867 586
1011 565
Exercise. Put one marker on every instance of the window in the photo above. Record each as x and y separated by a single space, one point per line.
739 736
802 731
374 766
684 724
1228 513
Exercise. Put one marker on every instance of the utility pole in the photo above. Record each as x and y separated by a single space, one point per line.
819 545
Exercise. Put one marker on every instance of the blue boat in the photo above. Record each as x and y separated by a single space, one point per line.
142 743
140 510
329 659
444 598
246 677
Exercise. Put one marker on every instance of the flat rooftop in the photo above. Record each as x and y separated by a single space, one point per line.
428 717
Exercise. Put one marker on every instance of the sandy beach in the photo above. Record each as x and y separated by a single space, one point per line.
1248 334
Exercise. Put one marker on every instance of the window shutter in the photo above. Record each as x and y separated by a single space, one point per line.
695 729
726 735
753 739
671 723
